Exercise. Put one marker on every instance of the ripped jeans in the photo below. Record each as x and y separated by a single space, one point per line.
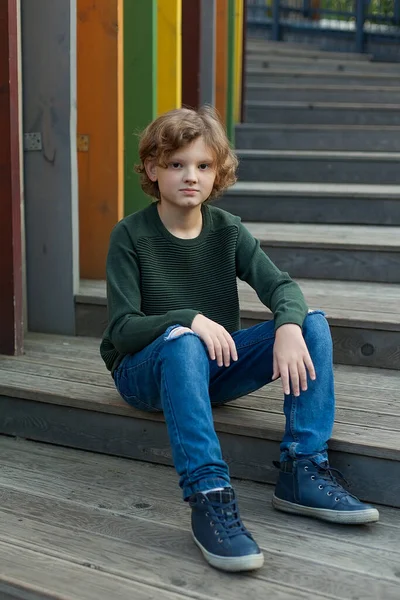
175 375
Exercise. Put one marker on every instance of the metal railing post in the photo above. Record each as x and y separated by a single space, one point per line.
276 26
396 12
360 20
306 9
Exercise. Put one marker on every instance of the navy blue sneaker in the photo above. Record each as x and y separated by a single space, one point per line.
220 534
306 488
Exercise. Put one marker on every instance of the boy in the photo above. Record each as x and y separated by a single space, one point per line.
173 342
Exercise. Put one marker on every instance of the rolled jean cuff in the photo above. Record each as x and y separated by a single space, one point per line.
203 485
318 457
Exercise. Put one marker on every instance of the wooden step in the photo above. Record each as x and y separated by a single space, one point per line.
341 252
283 202
322 93
302 76
319 64
329 113
276 136
269 49
319 166
364 317
59 392
79 525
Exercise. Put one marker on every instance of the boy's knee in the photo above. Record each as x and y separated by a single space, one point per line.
316 326
186 341
176 332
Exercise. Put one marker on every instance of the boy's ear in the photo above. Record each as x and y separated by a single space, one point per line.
151 169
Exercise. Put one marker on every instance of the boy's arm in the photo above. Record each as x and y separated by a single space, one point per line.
274 288
130 330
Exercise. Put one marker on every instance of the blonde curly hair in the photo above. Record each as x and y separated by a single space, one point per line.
178 128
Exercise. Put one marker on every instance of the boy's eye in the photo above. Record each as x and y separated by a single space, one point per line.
203 166
175 165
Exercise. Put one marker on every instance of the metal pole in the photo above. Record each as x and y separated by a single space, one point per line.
360 18
396 12
276 29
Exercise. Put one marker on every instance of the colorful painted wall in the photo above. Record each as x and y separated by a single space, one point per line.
136 60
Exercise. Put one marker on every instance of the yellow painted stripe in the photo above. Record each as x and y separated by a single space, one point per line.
239 9
169 55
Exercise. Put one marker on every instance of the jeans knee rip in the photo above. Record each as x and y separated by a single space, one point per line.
174 333
316 312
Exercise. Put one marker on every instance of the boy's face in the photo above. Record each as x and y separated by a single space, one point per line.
188 179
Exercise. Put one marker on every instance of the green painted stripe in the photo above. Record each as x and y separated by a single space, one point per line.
140 89
230 99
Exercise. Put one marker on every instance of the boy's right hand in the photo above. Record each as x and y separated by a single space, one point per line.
219 342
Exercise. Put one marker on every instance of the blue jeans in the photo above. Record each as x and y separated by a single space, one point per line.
175 375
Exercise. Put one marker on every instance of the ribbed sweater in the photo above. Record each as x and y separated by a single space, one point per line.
155 280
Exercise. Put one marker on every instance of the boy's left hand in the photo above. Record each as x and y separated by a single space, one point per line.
291 359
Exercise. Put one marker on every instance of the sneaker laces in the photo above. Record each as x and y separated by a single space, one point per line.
228 516
326 473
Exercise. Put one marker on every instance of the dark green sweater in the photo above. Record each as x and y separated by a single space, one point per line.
155 279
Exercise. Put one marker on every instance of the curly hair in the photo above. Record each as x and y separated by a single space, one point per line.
178 128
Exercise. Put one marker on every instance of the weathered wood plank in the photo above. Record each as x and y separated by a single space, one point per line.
360 382
248 457
326 236
349 438
68 580
89 478
177 568
369 303
354 408
157 559
154 524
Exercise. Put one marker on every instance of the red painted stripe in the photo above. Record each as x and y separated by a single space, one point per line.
11 298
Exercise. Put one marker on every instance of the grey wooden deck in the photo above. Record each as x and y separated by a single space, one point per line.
60 392
79 526
364 316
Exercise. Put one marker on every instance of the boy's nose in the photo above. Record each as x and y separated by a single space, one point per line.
190 176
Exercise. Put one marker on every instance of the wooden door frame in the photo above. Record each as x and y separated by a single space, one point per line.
11 263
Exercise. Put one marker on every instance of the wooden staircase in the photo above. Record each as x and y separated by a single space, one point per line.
320 187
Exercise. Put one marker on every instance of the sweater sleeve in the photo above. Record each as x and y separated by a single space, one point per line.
276 290
129 329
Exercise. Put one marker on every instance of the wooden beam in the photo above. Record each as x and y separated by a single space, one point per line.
191 18
207 52
121 109
51 194
98 141
140 84
239 8
169 55
221 71
244 43
11 296
230 103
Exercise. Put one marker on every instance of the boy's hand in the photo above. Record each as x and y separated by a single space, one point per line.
291 357
219 343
